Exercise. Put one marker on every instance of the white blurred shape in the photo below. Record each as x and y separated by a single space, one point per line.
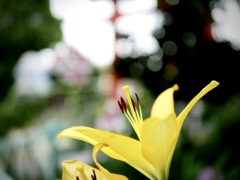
133 6
94 40
145 45
227 22
86 27
124 47
139 28
64 9
142 23
32 72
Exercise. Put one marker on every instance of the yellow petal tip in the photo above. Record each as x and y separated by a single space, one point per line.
175 87
212 85
213 82
59 136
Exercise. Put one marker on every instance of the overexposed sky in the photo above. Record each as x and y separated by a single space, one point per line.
87 26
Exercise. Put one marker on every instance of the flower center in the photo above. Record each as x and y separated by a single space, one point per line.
93 176
132 112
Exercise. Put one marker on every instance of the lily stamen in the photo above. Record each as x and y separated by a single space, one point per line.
125 111
123 105
120 106
138 100
94 177
133 113
139 112
133 104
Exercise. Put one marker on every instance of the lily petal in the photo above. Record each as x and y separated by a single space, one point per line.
119 147
109 175
164 104
159 138
74 169
181 117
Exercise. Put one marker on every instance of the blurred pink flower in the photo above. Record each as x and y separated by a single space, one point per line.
70 67
209 173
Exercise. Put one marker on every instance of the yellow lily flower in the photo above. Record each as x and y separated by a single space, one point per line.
158 134
77 170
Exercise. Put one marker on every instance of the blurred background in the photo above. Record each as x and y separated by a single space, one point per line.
63 63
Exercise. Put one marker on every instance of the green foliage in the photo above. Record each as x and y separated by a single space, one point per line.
24 25
218 156
15 112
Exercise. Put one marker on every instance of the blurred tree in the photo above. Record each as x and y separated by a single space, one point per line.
24 25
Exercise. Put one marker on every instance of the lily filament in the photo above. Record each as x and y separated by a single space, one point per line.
133 112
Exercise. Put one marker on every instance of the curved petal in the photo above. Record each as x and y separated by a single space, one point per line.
158 140
120 147
73 169
181 117
109 175
164 104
